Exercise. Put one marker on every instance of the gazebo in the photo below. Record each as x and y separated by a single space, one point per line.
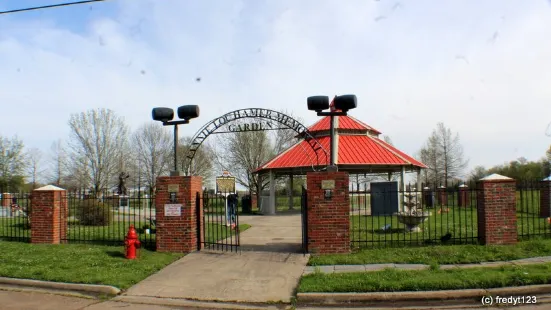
358 149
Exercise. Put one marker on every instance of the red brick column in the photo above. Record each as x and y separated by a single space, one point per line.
49 210
545 201
254 202
463 200
6 200
178 233
328 219
442 196
497 210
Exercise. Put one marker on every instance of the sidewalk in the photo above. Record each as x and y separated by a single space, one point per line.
378 267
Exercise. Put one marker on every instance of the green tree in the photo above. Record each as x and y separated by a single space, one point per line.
12 163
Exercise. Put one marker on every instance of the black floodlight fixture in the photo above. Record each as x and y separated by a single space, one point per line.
162 114
188 112
318 103
166 115
346 102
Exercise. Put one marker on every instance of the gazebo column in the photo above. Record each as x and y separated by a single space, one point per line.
272 201
403 187
290 193
419 180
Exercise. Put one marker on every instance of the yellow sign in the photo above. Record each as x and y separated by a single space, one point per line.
225 184
328 184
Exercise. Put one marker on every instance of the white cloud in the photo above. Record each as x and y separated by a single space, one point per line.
481 68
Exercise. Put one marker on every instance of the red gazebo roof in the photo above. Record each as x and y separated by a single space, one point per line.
359 149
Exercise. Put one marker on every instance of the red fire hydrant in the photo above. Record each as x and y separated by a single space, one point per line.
131 243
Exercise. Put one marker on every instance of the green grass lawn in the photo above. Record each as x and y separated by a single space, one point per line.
392 280
452 254
79 263
112 234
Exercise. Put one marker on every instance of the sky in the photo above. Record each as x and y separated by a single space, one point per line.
480 67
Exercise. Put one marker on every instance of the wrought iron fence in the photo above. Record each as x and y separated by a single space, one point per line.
396 217
104 218
220 229
532 221
15 210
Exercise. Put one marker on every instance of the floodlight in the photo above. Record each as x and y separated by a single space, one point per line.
162 114
345 102
318 103
188 111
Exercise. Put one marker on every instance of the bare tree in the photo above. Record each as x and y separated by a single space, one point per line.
58 163
78 174
203 160
99 136
34 167
154 147
12 163
443 153
242 153
285 138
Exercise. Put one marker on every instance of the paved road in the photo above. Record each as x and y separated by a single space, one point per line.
13 300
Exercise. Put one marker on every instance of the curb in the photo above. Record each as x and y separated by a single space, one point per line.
177 302
473 295
61 286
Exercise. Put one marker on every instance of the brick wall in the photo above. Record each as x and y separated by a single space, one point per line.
328 219
178 233
496 210
545 201
49 210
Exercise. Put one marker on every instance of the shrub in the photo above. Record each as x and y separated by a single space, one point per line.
92 212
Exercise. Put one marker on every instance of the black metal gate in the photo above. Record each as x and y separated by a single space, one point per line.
218 226
304 218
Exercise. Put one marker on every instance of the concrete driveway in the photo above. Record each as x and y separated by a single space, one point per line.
267 269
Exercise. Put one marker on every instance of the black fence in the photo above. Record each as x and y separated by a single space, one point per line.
389 216
531 221
14 217
105 218
220 229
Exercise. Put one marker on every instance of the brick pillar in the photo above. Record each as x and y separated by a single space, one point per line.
428 197
6 200
49 210
497 210
442 196
545 201
177 232
328 219
463 196
254 201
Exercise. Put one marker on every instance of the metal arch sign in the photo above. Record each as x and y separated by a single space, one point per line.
225 120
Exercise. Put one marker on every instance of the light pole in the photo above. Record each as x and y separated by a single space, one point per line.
165 115
342 103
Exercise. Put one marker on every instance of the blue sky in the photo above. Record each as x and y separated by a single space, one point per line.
481 67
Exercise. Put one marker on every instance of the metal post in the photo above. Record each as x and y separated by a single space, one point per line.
176 172
332 166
